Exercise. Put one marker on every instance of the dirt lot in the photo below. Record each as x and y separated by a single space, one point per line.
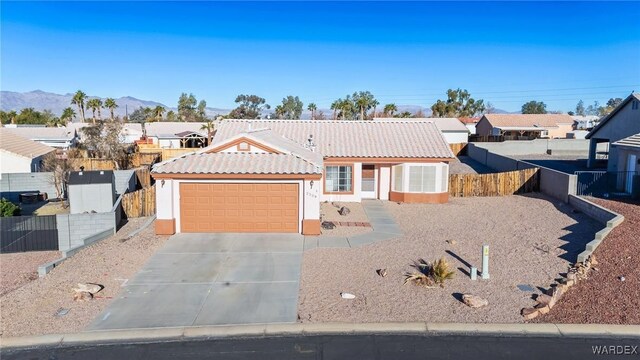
466 165
329 212
603 298
531 240
18 269
32 309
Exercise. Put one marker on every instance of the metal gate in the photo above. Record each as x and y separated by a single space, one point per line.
28 233
603 183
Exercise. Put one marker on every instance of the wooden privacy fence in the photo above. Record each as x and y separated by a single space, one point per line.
166 154
458 149
134 161
498 184
140 203
143 174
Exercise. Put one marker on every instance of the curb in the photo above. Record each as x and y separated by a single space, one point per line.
311 329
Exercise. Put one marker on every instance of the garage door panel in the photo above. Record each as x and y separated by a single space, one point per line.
224 207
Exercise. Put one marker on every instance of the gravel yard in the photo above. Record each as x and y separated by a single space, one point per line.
329 212
31 309
18 269
531 239
603 298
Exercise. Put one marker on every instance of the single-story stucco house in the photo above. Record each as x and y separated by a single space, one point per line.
56 137
470 123
175 135
622 122
19 154
272 175
525 126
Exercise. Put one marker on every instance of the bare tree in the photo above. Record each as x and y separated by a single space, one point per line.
60 168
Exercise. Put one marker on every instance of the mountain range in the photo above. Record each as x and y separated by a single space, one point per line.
42 100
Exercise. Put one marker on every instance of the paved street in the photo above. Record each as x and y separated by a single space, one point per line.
380 347
212 279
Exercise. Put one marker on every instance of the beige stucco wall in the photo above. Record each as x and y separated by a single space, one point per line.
560 132
12 163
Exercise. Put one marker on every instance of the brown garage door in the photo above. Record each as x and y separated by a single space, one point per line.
238 207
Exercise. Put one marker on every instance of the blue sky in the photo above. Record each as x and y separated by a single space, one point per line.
408 53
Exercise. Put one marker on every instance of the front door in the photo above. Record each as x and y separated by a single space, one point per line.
631 171
368 181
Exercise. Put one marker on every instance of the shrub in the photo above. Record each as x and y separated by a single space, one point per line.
7 208
429 274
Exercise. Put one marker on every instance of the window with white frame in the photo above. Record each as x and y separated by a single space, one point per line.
338 178
421 178
397 178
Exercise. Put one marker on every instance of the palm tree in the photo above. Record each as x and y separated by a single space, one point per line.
389 109
110 103
94 105
67 115
12 116
375 104
158 111
56 122
78 99
335 106
312 107
210 128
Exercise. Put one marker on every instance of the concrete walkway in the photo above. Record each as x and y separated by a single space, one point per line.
212 279
383 224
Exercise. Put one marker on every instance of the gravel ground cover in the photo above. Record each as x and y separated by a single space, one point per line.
531 238
31 309
466 165
17 269
603 298
329 212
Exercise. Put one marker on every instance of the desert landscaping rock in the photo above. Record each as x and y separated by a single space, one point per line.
511 225
474 301
330 213
344 211
530 313
602 298
31 309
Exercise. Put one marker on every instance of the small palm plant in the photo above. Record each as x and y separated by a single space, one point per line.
422 277
429 275
440 271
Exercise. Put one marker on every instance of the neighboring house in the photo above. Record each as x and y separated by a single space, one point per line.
586 122
176 134
453 130
621 123
525 126
470 123
91 191
20 155
271 175
57 137
628 160
131 132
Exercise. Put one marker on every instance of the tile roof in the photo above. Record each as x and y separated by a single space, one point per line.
366 139
170 129
22 146
528 120
269 138
631 141
43 133
237 163
469 120
444 124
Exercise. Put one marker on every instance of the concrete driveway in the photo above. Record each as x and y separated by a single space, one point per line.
212 279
